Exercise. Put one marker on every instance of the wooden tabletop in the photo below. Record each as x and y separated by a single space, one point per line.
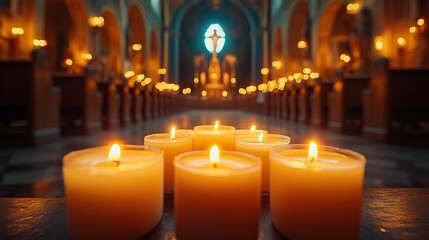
388 213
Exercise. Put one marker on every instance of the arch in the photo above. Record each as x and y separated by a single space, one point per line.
66 32
297 30
137 34
278 52
111 43
332 36
154 57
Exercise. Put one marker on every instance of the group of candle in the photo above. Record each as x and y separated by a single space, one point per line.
217 175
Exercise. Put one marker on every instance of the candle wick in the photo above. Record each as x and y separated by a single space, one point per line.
312 159
116 163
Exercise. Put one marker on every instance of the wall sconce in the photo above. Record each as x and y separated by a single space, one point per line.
40 43
401 42
378 43
162 71
17 31
265 71
353 8
137 47
96 21
301 44
276 64
86 56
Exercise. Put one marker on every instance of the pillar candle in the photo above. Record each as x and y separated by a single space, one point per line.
172 146
316 197
206 136
217 200
260 145
118 198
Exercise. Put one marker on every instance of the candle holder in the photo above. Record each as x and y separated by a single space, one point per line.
217 201
119 199
318 197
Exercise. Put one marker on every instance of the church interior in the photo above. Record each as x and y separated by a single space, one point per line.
80 74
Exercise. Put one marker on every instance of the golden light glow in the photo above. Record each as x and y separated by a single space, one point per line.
353 8
162 71
196 80
137 47
233 80
69 62
86 56
129 74
401 42
216 126
378 43
346 58
224 93
253 128
306 70
421 22
301 44
261 137
314 75
96 21
114 153
186 91
242 91
204 93
265 71
140 77
17 31
214 155
39 42
173 133
276 64
412 29
312 152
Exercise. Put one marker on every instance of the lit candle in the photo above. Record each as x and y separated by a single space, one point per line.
252 130
217 196
113 196
206 136
259 145
172 144
316 194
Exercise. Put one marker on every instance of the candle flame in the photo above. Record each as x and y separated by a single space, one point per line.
253 128
216 126
261 136
312 152
173 133
115 153
214 155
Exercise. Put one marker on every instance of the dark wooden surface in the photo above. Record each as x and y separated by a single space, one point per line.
388 213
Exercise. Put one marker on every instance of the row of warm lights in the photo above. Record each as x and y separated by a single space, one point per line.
276 64
161 86
353 8
96 21
40 43
420 23
162 71
186 91
87 56
17 31
400 41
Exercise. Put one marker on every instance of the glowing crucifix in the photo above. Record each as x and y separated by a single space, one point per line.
214 38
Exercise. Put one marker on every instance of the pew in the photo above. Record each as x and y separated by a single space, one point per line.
110 104
155 104
125 98
396 105
272 104
294 103
278 100
285 104
161 105
80 103
147 104
319 104
345 104
29 103
136 105
304 104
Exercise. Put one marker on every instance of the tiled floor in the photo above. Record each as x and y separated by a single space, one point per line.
36 172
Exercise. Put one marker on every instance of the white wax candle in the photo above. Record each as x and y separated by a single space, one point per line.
172 147
253 144
206 136
221 202
120 199
319 199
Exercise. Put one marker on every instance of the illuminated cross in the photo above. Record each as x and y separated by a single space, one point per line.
214 38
